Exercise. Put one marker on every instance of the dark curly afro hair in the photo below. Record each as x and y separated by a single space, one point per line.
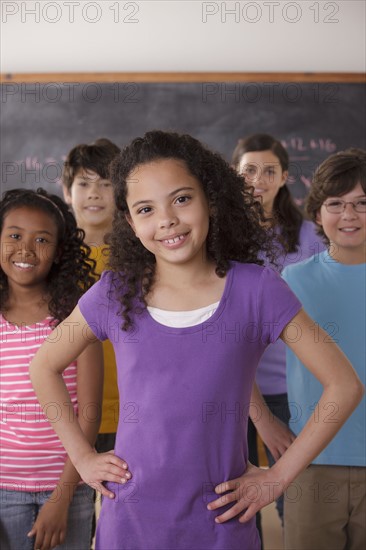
71 275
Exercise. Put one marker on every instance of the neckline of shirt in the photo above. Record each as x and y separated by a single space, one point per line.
46 321
327 259
180 319
197 328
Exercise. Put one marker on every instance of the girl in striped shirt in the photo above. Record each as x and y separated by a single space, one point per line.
43 272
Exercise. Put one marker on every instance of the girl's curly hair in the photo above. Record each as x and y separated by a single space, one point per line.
70 276
236 230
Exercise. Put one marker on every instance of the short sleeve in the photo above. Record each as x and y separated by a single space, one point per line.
277 305
95 306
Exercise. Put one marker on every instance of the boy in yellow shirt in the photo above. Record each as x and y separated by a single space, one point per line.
89 192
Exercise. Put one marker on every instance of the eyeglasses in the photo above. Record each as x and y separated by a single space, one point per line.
337 206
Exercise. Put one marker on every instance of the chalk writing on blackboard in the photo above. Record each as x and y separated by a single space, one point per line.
301 144
313 120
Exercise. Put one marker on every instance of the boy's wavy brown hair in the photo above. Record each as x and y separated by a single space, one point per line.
337 175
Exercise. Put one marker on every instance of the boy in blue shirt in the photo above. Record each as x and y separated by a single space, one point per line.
327 508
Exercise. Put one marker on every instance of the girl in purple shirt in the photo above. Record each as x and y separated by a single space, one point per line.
189 308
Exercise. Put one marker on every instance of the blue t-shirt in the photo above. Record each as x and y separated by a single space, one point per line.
271 372
334 295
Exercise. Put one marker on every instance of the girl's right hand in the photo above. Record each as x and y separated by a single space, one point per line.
96 468
50 526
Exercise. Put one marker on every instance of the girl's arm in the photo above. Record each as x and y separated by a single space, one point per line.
63 345
341 385
49 529
273 432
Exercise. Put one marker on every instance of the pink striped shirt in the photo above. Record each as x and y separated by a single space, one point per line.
32 456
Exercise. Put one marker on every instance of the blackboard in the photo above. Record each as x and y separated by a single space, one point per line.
41 121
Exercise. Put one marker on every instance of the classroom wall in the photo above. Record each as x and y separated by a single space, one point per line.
192 35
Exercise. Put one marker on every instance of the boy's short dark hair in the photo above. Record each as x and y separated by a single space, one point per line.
95 156
337 175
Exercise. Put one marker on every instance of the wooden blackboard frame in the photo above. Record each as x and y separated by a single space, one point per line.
171 77
215 107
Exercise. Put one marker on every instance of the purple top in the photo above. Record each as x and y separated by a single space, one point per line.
271 373
184 395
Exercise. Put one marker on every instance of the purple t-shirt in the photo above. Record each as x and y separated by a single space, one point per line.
184 396
271 373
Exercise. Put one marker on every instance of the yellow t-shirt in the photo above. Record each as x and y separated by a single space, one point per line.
110 406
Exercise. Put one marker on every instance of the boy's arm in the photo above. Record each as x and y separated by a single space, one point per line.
273 432
64 344
50 527
342 390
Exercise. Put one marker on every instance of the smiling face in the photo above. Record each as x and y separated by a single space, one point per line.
263 171
28 244
168 212
92 201
346 231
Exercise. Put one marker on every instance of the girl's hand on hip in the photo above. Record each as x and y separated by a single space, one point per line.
96 468
248 493
276 436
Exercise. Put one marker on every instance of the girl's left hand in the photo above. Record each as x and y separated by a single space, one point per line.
276 436
50 525
250 492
